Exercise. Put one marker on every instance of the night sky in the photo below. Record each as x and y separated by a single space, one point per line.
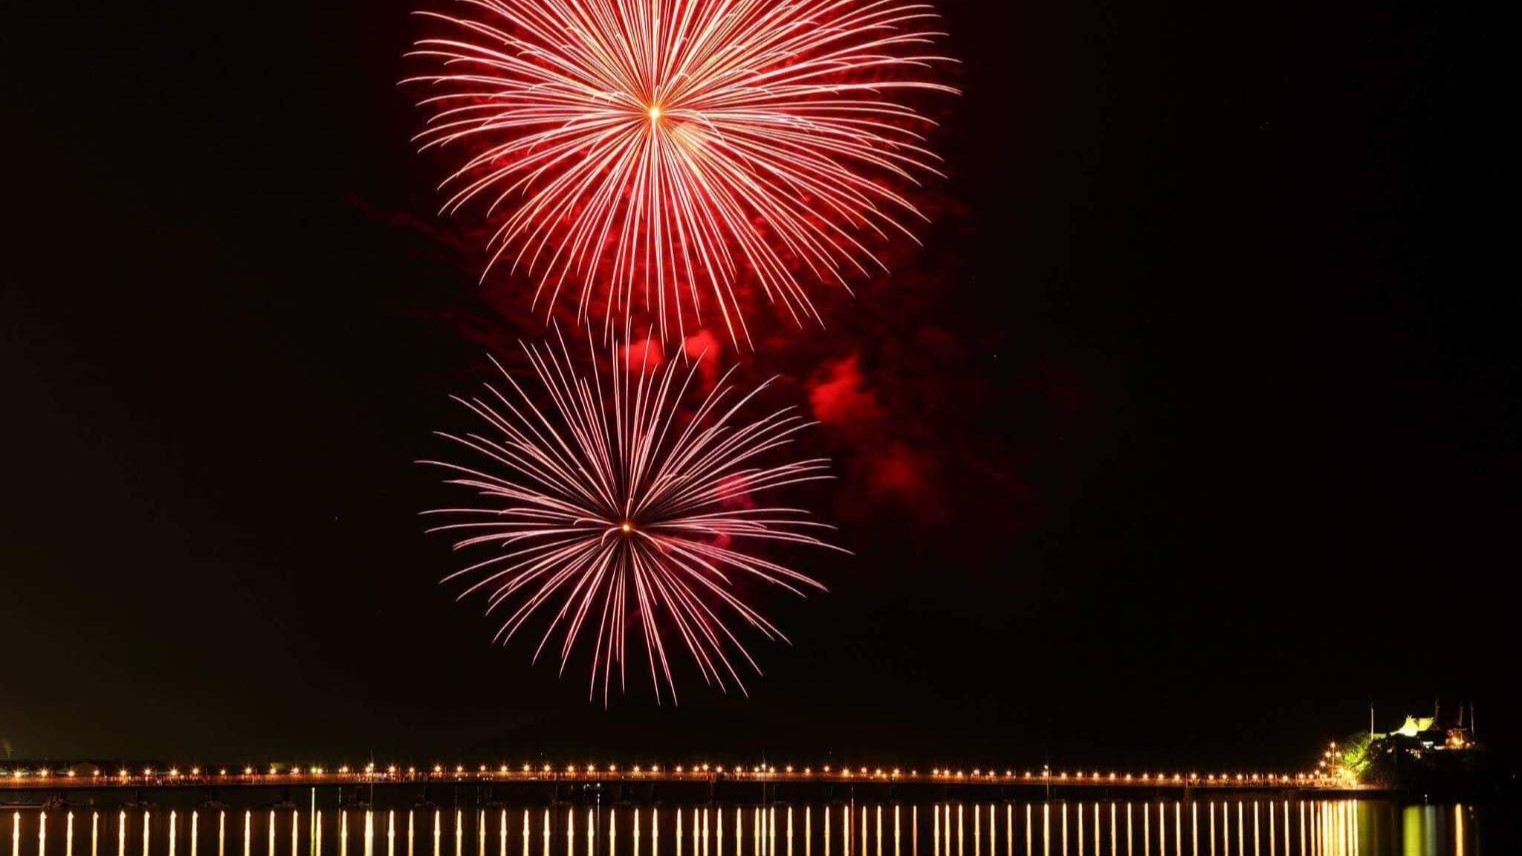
1192 429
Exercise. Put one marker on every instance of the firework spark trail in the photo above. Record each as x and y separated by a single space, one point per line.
674 145
604 505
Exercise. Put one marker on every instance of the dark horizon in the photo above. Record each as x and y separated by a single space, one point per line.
1191 430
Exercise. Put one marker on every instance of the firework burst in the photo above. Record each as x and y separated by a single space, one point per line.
659 149
628 499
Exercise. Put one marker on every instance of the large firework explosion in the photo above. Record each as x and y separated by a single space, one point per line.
667 154
627 497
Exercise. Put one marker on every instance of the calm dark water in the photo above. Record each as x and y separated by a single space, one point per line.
1233 827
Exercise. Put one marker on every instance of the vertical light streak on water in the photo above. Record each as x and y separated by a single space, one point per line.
525 833
173 831
655 830
1255 848
1130 839
1241 829
391 833
369 833
1162 829
42 835
481 832
1080 825
993 829
1146 829
1458 830
343 833
1194 828
1308 829
845 827
977 830
1064 829
270 836
935 834
316 834
411 833
755 833
1009 830
1029 831
826 813
95 833
788 828
544 834
879 831
501 835
808 830
1178 829
459 831
68 835
1046 829
1096 829
570 832
1226 828
295 834
739 835
695 817
16 833
145 833
695 836
591 833
612 832
914 830
719 832
896 850
438 831
1114 839
1353 828
121 836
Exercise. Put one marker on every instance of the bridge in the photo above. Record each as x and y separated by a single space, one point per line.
83 777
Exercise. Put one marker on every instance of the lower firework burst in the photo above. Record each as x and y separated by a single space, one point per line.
627 501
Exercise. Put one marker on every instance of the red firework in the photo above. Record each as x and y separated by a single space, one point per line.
606 509
667 152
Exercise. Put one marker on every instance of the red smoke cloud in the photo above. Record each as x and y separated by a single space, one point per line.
878 459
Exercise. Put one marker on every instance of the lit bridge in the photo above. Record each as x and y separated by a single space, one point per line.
635 779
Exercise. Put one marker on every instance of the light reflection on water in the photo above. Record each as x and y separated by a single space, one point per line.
1242 827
